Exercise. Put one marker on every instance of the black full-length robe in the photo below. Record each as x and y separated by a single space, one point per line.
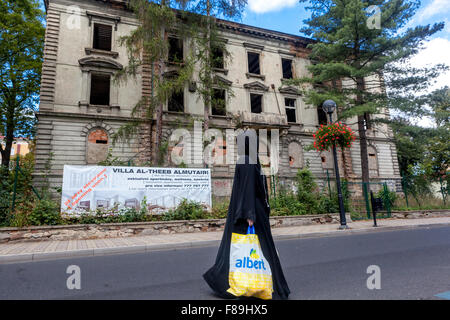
249 200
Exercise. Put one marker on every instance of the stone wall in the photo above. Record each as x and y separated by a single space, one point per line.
114 230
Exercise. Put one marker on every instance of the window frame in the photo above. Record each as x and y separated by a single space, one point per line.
262 102
289 107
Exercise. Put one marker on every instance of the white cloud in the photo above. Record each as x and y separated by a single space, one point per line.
263 6
435 51
435 7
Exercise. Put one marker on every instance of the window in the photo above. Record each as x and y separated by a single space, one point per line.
176 102
217 58
175 50
100 87
256 103
322 116
253 63
102 37
287 68
290 109
218 104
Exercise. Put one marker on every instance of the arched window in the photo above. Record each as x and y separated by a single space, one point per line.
97 146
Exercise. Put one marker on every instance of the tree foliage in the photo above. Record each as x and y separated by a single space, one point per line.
21 52
365 68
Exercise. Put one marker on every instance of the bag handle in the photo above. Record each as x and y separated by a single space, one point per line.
251 230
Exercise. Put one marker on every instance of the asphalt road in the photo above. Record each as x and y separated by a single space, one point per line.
414 264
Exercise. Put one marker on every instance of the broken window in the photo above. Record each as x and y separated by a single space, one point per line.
102 37
100 87
175 50
218 105
253 63
176 102
287 68
290 109
322 115
217 57
256 103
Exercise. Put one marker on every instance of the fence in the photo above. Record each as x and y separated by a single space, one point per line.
362 199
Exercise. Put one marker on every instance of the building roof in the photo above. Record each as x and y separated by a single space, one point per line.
234 27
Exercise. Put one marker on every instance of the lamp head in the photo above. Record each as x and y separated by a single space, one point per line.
328 106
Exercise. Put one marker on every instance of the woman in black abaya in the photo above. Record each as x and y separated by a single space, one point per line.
248 206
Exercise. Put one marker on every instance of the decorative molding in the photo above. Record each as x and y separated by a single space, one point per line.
220 70
218 79
90 51
256 86
289 90
287 53
255 75
97 124
104 16
253 46
100 62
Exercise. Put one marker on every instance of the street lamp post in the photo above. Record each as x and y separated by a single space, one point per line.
329 106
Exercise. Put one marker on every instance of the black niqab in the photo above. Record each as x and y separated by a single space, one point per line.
249 200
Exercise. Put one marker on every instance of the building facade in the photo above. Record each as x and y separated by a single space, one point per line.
81 107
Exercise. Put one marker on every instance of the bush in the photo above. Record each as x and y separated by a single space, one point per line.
307 191
45 212
186 210
390 196
286 204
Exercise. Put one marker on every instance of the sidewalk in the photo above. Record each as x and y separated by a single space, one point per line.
48 250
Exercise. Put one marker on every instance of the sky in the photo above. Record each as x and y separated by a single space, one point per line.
288 15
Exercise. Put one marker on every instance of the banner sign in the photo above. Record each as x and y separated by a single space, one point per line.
87 188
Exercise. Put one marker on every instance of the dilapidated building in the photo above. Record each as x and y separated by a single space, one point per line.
81 107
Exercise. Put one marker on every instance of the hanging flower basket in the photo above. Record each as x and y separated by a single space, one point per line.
326 136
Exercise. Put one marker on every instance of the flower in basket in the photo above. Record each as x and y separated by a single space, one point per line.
335 133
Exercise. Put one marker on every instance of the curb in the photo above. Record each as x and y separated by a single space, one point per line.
45 256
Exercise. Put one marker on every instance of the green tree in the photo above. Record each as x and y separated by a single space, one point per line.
149 44
373 59
21 50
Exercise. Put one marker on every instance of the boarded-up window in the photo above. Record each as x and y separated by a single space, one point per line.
327 160
256 103
176 102
100 87
290 110
97 149
102 37
253 63
287 68
373 162
218 102
295 155
175 50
